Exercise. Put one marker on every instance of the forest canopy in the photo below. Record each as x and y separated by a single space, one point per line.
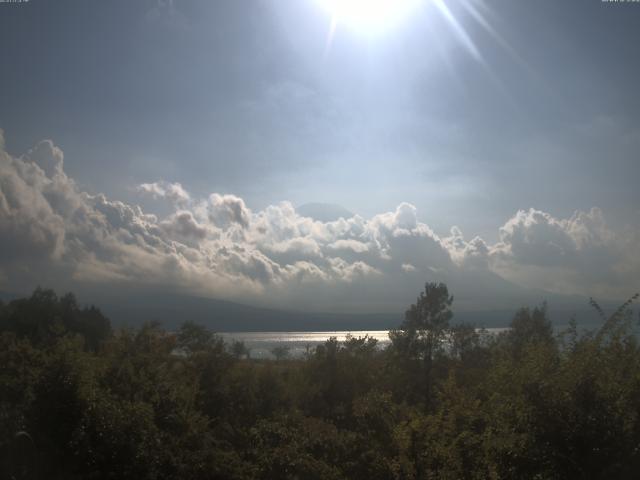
79 399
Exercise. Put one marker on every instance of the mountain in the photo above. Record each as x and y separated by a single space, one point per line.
171 310
226 316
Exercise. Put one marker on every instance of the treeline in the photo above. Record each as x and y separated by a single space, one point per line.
80 401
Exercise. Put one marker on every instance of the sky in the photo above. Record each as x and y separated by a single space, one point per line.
169 145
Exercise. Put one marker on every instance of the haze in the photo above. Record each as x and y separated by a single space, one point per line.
270 153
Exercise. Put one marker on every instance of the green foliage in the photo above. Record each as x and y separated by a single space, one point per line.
529 327
240 350
426 323
280 352
421 338
44 318
442 402
193 338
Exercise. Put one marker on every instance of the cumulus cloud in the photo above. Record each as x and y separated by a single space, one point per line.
171 191
50 228
474 253
30 226
47 156
580 254
349 244
227 210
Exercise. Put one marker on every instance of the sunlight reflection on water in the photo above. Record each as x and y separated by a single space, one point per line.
260 344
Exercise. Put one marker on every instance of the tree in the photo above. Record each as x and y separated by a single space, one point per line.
422 334
280 352
239 349
529 327
193 338
617 320
464 340
44 318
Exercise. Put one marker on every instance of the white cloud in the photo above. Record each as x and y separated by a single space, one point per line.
472 254
50 229
226 210
349 244
580 254
171 191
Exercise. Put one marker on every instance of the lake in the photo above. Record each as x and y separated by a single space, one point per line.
260 344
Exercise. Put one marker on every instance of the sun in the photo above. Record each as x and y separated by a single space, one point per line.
369 16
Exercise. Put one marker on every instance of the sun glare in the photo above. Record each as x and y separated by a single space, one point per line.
368 16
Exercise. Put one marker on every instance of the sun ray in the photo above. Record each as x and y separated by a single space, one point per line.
458 30
484 23
330 34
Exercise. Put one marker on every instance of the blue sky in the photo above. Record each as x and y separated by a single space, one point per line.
519 105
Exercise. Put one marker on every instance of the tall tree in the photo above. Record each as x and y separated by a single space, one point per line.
422 334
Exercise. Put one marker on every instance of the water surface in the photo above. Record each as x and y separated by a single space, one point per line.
260 344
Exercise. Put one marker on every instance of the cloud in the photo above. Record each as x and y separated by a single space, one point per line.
352 245
407 267
184 227
47 156
580 254
51 230
227 210
171 191
472 254
29 225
